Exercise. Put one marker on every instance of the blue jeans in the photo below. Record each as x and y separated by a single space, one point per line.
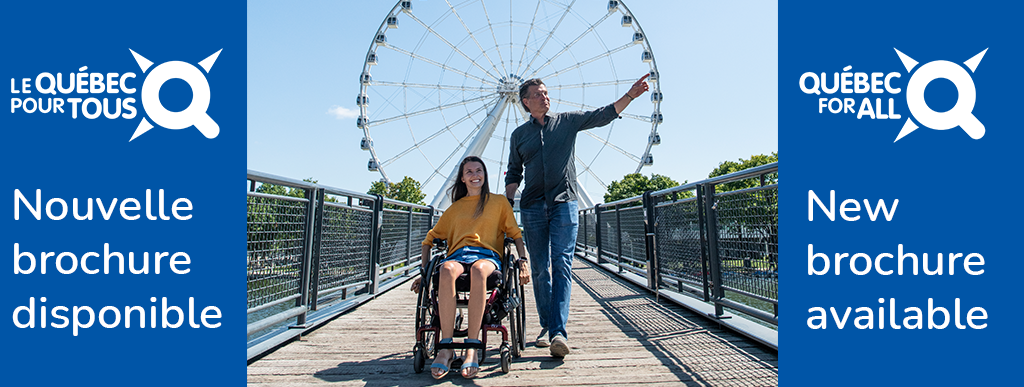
551 241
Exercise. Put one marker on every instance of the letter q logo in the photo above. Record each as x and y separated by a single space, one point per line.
961 114
194 114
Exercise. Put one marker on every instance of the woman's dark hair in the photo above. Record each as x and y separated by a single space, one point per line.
459 189
525 88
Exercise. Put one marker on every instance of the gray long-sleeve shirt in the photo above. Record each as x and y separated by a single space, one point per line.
547 151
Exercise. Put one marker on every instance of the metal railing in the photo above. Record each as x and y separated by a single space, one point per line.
314 252
722 247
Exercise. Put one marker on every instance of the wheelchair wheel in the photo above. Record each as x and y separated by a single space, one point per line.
506 359
418 359
521 314
424 315
514 328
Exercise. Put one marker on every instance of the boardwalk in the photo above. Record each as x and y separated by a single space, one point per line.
618 334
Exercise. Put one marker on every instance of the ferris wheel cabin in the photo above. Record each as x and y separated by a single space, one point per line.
647 57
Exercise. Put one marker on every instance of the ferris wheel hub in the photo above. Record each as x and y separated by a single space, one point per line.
509 84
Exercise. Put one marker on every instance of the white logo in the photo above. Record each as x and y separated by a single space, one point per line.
194 114
960 115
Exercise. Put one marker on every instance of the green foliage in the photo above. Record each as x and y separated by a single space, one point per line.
727 167
407 190
635 184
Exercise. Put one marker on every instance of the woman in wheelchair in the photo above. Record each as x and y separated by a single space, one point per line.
475 226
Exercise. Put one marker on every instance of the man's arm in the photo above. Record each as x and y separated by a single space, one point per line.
638 89
510 191
605 115
515 169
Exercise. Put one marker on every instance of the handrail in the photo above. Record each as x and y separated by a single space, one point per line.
735 176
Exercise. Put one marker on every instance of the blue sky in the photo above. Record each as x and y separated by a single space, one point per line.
717 61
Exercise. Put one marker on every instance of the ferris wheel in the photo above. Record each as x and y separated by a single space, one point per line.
441 79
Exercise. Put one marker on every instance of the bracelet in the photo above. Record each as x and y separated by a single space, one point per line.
630 97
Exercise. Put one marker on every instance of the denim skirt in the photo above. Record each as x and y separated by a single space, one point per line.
470 254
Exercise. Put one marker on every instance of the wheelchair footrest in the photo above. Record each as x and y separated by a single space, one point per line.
461 346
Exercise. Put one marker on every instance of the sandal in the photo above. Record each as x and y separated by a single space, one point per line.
443 367
472 366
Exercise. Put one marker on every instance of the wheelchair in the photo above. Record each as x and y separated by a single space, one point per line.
504 301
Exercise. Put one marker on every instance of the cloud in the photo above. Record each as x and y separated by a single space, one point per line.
342 113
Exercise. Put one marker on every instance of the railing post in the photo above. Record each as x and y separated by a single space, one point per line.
430 225
714 260
653 266
307 256
318 230
702 230
597 231
619 240
408 242
376 224
586 238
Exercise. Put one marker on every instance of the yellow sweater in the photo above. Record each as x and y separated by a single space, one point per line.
460 229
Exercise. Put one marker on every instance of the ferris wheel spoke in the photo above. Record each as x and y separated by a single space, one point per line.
588 107
473 37
592 84
441 65
568 46
610 145
431 30
490 26
432 136
588 61
433 109
548 38
528 33
431 86
589 170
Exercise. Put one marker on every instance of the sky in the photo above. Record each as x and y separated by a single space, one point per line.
717 64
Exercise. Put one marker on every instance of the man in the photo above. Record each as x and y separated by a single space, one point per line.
546 144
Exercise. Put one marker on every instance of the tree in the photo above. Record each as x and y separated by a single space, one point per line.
407 190
727 167
635 184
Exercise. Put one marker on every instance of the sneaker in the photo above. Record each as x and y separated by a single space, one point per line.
559 346
542 339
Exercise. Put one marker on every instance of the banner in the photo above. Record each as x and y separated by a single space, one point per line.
124 131
898 126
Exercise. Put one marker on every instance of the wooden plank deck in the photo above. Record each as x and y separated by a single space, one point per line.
618 335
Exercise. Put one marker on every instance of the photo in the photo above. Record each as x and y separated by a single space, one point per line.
566 192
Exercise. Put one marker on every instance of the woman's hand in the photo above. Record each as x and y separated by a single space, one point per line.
524 272
416 284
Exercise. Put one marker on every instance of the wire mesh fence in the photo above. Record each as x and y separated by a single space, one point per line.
313 249
632 251
678 242
275 231
344 246
716 238
748 241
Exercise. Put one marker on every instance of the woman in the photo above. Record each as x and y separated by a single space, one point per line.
475 226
